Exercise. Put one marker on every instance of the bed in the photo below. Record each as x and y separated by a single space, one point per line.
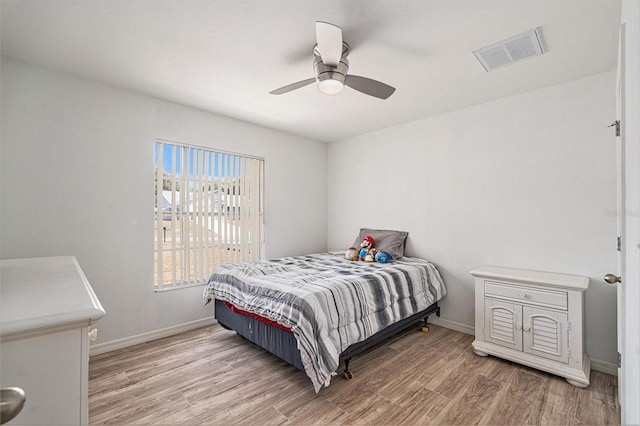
317 310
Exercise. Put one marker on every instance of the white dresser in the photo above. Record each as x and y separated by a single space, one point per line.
46 308
533 318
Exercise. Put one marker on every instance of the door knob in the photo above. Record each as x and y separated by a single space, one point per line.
612 278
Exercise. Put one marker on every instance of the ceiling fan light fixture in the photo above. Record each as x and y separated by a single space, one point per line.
330 80
330 86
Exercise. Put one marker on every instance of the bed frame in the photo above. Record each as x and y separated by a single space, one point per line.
283 344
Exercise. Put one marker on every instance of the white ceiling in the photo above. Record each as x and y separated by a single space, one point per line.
224 56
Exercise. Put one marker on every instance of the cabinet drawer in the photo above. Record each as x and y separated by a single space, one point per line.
525 294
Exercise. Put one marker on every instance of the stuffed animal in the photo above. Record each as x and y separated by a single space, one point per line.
351 253
383 257
367 252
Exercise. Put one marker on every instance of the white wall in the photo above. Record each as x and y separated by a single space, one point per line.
526 182
77 178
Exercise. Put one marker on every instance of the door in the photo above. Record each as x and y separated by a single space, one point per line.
628 105
503 324
620 167
545 333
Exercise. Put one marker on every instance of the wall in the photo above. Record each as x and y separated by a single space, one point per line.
77 178
526 182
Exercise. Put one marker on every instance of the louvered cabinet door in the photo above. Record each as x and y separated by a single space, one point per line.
503 324
545 333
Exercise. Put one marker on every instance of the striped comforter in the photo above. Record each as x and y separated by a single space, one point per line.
328 302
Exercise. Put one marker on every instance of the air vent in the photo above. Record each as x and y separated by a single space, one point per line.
511 50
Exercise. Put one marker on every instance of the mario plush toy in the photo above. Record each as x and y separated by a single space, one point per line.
367 252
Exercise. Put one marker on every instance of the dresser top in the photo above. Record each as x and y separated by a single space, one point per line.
548 279
45 292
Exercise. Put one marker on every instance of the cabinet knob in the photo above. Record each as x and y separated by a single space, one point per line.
93 335
612 278
11 403
526 328
523 295
518 326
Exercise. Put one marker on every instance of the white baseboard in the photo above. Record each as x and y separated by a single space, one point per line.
453 325
596 364
101 348
604 367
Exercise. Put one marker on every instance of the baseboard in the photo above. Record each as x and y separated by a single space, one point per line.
101 348
453 325
604 367
596 364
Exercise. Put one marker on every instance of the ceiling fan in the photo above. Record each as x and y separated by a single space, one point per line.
331 66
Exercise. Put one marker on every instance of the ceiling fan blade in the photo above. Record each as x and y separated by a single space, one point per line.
292 86
329 38
369 86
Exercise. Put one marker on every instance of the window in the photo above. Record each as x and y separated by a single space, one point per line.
208 211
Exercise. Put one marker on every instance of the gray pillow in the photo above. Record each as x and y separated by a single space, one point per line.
393 242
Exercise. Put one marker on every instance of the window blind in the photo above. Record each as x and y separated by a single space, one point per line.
208 211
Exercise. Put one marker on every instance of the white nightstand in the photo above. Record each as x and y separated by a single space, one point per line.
533 318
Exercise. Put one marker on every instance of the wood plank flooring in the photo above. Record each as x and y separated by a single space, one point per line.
212 376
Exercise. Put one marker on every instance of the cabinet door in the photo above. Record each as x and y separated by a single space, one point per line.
545 333
503 323
48 368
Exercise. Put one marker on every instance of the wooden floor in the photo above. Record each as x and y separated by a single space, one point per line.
212 376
